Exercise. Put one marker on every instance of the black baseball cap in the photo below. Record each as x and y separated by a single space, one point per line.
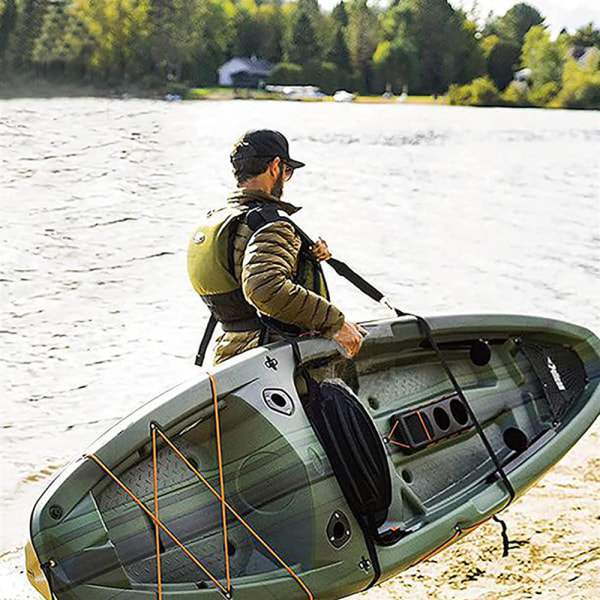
263 143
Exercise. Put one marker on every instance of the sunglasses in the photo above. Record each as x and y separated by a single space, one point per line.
288 171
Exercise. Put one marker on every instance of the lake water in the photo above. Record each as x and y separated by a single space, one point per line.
449 210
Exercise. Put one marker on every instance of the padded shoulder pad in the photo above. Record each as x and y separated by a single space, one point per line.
257 217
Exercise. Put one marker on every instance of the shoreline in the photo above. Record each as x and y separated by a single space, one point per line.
49 91
42 89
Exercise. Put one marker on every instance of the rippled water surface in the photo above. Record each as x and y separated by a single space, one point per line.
450 210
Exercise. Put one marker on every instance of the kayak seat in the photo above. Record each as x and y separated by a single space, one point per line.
354 449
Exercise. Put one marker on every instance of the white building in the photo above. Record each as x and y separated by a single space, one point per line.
244 72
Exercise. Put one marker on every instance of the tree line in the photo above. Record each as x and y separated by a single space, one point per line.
423 46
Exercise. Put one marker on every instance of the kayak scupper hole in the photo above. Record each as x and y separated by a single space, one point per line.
407 475
373 402
231 549
515 439
56 512
278 400
441 418
339 531
459 412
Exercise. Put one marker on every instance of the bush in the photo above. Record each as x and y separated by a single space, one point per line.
286 74
581 87
328 76
480 92
516 94
544 94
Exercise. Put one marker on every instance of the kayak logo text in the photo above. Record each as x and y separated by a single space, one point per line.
555 375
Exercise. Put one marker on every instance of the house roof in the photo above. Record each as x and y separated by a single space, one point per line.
249 65
583 54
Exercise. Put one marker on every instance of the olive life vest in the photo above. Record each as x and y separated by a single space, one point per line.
211 268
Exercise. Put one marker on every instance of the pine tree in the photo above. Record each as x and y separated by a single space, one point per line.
29 27
8 20
302 45
340 15
338 52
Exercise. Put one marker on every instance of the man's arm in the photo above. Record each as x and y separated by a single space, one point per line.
269 264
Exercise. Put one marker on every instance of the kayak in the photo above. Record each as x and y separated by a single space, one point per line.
228 486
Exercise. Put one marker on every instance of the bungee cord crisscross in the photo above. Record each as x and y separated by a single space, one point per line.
156 432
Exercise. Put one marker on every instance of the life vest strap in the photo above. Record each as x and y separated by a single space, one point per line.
206 337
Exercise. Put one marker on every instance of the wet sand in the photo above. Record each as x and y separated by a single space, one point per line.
465 211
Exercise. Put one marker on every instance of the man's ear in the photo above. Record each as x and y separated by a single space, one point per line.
274 167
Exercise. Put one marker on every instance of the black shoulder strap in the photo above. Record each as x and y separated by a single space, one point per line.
262 213
206 337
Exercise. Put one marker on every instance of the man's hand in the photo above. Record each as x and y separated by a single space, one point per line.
349 339
320 251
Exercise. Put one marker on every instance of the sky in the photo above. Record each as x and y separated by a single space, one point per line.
571 14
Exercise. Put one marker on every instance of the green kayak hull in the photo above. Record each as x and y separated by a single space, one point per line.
148 492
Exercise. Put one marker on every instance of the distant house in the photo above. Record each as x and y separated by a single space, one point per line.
585 55
244 72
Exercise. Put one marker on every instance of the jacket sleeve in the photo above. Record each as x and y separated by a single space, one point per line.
269 265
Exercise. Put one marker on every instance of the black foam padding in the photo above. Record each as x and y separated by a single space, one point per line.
354 448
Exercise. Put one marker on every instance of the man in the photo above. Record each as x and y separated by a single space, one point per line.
252 266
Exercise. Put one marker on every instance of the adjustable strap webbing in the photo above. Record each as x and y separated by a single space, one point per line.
368 289
206 337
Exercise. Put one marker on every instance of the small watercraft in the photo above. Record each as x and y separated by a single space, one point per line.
237 484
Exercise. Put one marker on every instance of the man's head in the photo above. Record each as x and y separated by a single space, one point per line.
261 159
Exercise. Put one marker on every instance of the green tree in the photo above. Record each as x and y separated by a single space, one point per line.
171 24
116 29
61 43
339 14
580 85
545 58
8 19
338 52
586 36
302 43
247 31
470 58
29 24
395 63
208 42
271 31
515 23
443 39
363 34
501 58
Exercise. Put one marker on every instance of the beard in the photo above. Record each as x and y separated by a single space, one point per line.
277 190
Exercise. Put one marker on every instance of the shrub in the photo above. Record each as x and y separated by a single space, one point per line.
480 92
328 76
581 87
542 95
516 94
286 74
